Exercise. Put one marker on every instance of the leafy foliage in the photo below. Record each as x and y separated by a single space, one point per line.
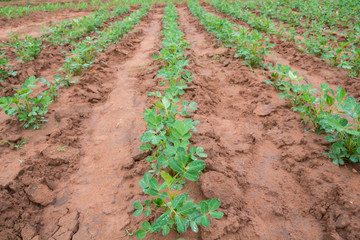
329 111
31 109
251 46
27 49
173 157
26 108
5 71
69 30
318 39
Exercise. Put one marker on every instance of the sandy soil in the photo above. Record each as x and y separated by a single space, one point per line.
78 177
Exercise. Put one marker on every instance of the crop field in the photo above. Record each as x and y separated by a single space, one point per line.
180 120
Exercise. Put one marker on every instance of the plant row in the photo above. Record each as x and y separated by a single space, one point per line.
67 31
173 160
332 13
299 13
251 46
16 12
341 54
31 109
330 112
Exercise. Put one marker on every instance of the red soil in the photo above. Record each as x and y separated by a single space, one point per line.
270 175
32 24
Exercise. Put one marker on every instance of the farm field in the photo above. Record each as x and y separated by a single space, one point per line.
211 120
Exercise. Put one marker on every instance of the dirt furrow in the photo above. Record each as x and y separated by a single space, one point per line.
47 63
31 180
313 69
261 163
99 193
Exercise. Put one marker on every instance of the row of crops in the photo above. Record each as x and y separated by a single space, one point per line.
31 109
174 159
317 40
168 137
332 112
17 12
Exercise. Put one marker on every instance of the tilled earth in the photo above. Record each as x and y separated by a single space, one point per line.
78 176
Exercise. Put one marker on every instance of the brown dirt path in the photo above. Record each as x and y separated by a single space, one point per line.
30 178
98 194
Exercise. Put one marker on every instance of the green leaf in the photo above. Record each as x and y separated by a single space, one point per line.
164 195
162 220
154 183
146 225
148 203
166 230
194 226
196 166
152 192
191 176
147 178
217 215
204 208
138 205
168 179
181 227
138 212
188 209
205 221
166 102
147 212
141 233
355 159
179 200
214 204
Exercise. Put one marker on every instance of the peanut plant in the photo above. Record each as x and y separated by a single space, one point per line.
27 49
316 40
167 137
5 71
329 111
84 52
69 30
251 46
26 108
31 110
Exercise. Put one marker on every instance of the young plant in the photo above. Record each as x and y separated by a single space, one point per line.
330 112
20 145
27 109
53 86
251 45
4 67
27 49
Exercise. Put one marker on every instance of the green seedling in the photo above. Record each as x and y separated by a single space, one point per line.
5 71
329 111
27 49
20 145
62 148
27 109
